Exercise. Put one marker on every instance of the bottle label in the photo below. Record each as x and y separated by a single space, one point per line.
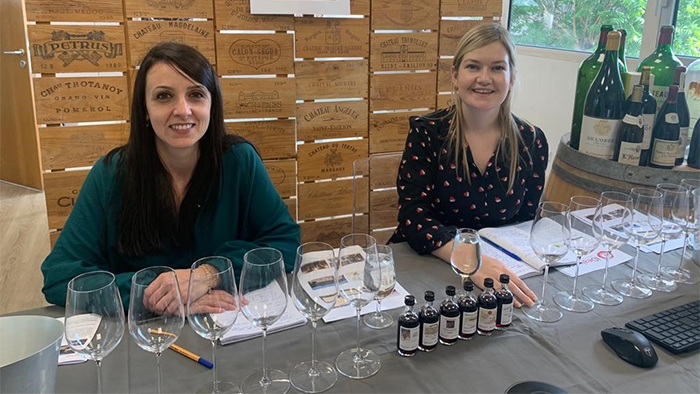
430 334
448 327
682 143
633 120
506 314
408 338
487 319
664 152
598 137
469 322
660 93
648 126
630 153
671 118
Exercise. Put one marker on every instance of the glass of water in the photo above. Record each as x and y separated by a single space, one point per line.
379 320
465 257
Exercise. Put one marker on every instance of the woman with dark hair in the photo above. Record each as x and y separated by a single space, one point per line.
179 190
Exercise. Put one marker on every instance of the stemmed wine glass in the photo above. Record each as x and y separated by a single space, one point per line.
676 201
94 317
263 301
616 211
361 271
314 291
690 225
548 238
379 320
647 219
212 308
465 257
581 243
156 313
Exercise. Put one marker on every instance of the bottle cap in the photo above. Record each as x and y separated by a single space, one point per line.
504 278
677 75
646 73
468 286
637 92
604 34
450 290
409 300
672 94
666 35
613 43
429 296
488 282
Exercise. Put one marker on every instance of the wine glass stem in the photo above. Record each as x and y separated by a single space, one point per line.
357 352
661 256
544 283
213 360
578 265
160 374
99 376
685 247
379 307
312 371
634 267
605 271
265 381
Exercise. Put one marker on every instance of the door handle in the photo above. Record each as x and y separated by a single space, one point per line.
19 52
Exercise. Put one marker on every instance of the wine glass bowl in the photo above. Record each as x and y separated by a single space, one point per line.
380 320
690 225
465 257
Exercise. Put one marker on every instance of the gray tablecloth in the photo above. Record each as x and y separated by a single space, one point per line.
569 353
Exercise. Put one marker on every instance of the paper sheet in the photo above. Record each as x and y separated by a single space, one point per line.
86 325
595 261
392 301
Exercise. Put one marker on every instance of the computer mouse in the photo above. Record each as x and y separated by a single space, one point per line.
630 346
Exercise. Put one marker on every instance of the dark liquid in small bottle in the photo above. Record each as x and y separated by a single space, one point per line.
449 319
408 330
488 308
469 311
505 304
429 324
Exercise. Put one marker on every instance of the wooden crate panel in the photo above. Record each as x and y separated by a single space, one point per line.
331 231
340 119
331 79
274 139
402 91
405 14
74 10
445 101
359 7
383 209
235 15
330 159
144 35
66 100
388 131
444 81
471 7
332 37
59 49
382 236
383 170
451 32
65 147
248 54
283 174
61 190
53 237
408 51
258 97
324 199
169 8
291 204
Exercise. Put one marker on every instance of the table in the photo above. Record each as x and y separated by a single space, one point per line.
569 353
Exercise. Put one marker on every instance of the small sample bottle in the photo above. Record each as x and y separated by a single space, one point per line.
449 318
469 311
407 337
505 304
488 308
429 324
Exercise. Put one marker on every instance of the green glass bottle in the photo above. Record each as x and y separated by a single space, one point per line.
621 52
683 114
648 115
630 135
666 134
663 65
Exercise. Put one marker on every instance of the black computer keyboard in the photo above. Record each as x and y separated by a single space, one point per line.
676 330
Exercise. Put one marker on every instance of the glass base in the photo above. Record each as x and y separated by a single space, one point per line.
378 321
572 303
278 383
323 379
543 313
679 275
602 296
657 283
224 388
356 365
629 289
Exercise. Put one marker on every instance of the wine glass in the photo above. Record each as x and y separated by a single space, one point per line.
212 308
616 210
156 313
647 219
379 320
465 257
263 301
94 317
314 291
676 201
548 238
581 243
690 226
361 280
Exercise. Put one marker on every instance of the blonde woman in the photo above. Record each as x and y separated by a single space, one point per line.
475 164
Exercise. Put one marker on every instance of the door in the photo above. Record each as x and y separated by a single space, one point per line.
20 160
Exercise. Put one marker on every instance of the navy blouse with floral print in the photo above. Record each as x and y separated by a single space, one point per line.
435 197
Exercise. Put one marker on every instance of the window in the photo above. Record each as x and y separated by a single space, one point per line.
687 40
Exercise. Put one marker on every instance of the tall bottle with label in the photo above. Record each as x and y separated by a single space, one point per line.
621 52
692 91
648 115
449 318
504 316
488 309
694 151
429 324
408 331
469 312
663 64
630 135
603 111
666 134
683 114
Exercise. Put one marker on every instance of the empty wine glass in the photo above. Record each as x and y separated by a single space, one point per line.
465 257
616 211
690 226
212 308
314 291
647 219
156 313
94 317
361 280
581 243
548 238
379 320
263 300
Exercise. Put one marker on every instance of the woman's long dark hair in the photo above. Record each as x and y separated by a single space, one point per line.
148 220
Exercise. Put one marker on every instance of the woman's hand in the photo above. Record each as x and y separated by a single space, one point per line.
160 295
216 301
492 268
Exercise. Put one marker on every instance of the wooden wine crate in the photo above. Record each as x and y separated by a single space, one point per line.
258 97
359 7
88 99
169 9
471 7
445 101
331 231
405 14
382 236
61 190
325 120
74 11
383 208
274 139
444 81
330 159
249 54
66 49
81 146
235 15
283 176
325 199
331 79
144 35
407 51
388 131
383 170
451 32
53 237
331 37
291 204
402 91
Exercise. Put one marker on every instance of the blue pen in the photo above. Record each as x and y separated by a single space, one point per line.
192 356
502 249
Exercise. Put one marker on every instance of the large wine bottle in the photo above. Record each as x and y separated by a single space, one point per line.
630 134
648 115
694 151
683 114
663 64
603 110
666 134
621 52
